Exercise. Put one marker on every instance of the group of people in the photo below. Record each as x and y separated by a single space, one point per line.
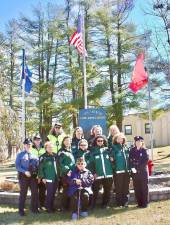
78 168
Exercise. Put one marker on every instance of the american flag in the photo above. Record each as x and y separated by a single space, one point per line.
77 39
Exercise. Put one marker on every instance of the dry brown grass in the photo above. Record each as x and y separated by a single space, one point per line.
156 214
9 186
162 155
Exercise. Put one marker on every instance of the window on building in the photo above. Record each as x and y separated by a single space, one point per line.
147 128
128 129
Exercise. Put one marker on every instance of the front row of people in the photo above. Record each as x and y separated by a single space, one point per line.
83 173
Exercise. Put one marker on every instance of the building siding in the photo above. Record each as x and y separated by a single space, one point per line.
161 128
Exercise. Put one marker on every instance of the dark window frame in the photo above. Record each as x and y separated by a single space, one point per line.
126 130
147 129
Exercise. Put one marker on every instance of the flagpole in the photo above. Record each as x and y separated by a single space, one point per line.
150 117
23 95
84 63
149 96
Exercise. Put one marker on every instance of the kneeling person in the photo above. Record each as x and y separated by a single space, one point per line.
80 182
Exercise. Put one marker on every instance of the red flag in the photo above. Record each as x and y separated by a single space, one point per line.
77 39
139 76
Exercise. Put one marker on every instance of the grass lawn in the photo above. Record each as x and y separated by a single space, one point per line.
156 214
161 158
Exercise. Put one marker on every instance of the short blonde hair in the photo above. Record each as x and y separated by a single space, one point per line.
47 144
116 136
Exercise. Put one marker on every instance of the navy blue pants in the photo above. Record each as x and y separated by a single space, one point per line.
41 192
140 183
122 188
51 190
107 185
24 183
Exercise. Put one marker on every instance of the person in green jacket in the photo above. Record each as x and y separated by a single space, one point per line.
82 151
56 136
102 170
120 159
37 150
49 174
66 165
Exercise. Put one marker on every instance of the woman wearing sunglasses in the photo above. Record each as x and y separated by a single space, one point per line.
102 170
83 151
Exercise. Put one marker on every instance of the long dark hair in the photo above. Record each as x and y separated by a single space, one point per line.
78 128
62 143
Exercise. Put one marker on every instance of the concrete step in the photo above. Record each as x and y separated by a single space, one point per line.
154 195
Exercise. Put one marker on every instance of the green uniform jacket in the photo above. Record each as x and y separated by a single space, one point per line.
101 164
86 155
37 152
66 161
120 154
48 167
56 141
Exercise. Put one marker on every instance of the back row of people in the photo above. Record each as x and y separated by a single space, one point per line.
65 161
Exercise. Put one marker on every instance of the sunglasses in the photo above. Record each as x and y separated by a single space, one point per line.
83 145
100 140
80 164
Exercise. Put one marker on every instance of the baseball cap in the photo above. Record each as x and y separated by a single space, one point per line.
37 136
58 125
27 141
138 138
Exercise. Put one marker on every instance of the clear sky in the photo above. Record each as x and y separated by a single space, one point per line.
12 8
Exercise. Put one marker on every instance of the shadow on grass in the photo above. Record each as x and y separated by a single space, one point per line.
9 215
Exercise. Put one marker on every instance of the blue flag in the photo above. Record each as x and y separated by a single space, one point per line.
28 72
26 76
28 85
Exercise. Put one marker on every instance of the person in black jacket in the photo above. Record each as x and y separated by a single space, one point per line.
138 160
95 131
77 136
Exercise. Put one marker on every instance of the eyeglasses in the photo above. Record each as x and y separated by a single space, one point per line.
80 164
100 140
83 145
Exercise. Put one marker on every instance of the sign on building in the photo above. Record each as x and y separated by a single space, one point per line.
91 117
